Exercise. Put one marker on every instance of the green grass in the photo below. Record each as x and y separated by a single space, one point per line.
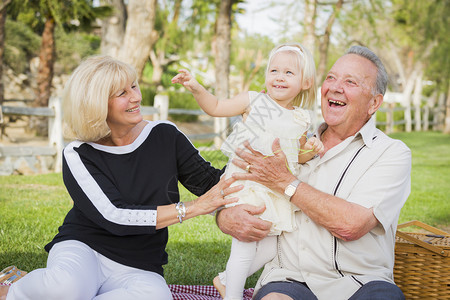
32 208
429 201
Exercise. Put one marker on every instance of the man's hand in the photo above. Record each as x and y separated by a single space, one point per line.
241 223
270 170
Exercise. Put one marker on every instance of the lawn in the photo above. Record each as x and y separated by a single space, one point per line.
32 208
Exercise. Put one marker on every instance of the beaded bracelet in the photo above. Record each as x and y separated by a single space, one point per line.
181 210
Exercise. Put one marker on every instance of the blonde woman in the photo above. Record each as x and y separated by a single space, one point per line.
122 173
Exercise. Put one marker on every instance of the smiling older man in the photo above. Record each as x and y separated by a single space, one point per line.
349 198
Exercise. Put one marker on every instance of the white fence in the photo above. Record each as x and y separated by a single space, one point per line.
160 111
55 135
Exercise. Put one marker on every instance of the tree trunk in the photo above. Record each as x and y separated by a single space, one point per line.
398 64
406 94
309 36
222 49
3 5
447 111
158 69
137 44
47 57
113 28
2 44
417 101
325 43
430 105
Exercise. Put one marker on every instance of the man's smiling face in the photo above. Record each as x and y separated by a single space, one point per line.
348 98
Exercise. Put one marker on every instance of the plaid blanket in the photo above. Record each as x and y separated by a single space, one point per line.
200 292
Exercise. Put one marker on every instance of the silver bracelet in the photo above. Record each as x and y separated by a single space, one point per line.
181 210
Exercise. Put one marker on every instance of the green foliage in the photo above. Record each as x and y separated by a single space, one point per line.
426 27
68 14
177 98
72 47
174 33
21 44
244 55
185 101
148 94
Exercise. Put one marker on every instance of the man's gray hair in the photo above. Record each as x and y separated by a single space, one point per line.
382 77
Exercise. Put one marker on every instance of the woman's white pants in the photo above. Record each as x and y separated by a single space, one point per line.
76 272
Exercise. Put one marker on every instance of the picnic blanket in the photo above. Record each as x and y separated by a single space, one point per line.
197 292
200 292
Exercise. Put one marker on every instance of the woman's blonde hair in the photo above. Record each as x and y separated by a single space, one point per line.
86 95
307 97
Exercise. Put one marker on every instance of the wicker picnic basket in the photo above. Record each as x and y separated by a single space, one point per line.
422 262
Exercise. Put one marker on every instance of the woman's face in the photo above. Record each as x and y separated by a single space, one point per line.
124 107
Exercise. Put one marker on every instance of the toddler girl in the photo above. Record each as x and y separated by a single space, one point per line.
279 113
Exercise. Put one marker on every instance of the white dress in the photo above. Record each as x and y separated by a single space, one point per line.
266 121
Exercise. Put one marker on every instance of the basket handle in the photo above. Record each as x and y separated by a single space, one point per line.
423 244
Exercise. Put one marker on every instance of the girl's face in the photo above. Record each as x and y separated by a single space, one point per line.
124 107
283 78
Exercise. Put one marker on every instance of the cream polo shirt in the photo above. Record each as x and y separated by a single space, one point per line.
370 169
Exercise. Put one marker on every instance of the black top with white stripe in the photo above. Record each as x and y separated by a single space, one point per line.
116 191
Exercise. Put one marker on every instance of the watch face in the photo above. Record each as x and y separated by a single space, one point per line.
290 190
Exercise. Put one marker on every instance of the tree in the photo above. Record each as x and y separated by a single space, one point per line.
423 30
221 49
324 43
317 21
44 16
249 56
3 6
412 39
128 34
169 39
113 28
139 35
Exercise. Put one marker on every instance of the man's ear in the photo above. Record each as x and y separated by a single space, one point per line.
375 104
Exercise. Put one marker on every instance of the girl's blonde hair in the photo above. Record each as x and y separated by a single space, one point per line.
307 97
86 95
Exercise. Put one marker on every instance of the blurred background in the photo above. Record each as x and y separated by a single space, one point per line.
226 45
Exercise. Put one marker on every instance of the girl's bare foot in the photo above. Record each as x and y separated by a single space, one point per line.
217 284
3 291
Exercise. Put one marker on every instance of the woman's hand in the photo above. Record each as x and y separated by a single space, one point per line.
215 197
271 171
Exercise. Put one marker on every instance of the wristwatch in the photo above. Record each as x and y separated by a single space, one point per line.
291 188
